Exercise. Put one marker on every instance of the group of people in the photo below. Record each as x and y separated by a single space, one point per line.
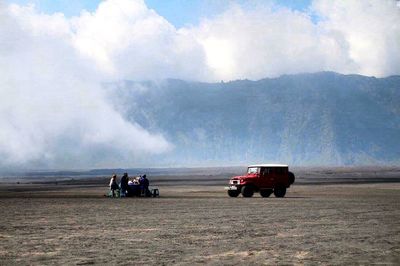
129 187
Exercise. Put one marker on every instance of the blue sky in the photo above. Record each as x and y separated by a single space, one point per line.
177 12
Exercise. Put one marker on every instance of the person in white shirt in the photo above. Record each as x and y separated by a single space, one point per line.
113 184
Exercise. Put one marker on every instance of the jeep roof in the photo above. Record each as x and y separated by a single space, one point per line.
268 165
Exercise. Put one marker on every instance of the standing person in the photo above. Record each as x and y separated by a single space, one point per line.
144 185
113 184
124 184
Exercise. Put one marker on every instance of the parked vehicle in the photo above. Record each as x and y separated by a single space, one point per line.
263 178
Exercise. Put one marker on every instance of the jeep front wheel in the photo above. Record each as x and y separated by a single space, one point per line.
280 192
233 193
247 191
265 193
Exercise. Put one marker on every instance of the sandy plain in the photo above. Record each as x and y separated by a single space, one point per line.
74 224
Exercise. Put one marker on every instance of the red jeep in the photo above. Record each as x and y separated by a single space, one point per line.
263 178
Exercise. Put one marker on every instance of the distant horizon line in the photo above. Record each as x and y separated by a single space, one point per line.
88 170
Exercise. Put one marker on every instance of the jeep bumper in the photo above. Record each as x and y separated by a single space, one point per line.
232 187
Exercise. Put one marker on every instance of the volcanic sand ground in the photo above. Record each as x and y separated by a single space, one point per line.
328 224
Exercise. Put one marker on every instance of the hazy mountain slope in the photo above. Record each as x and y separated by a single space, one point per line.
323 118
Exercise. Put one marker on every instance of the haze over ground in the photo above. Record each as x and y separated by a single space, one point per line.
56 113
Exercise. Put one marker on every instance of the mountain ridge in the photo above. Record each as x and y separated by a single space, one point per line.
322 118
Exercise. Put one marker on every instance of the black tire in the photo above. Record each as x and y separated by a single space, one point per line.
233 193
247 191
155 193
291 178
148 193
265 193
279 192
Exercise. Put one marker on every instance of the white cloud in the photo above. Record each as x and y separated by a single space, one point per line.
259 43
370 31
53 111
351 37
128 40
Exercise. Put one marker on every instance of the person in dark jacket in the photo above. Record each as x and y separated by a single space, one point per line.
144 185
124 184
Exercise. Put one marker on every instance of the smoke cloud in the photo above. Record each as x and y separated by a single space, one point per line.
55 113
53 110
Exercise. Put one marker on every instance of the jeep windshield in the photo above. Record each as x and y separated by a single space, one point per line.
253 170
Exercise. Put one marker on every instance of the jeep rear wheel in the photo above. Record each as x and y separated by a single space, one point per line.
279 192
265 193
291 178
247 191
233 193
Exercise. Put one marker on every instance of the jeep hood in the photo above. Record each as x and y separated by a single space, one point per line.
244 176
